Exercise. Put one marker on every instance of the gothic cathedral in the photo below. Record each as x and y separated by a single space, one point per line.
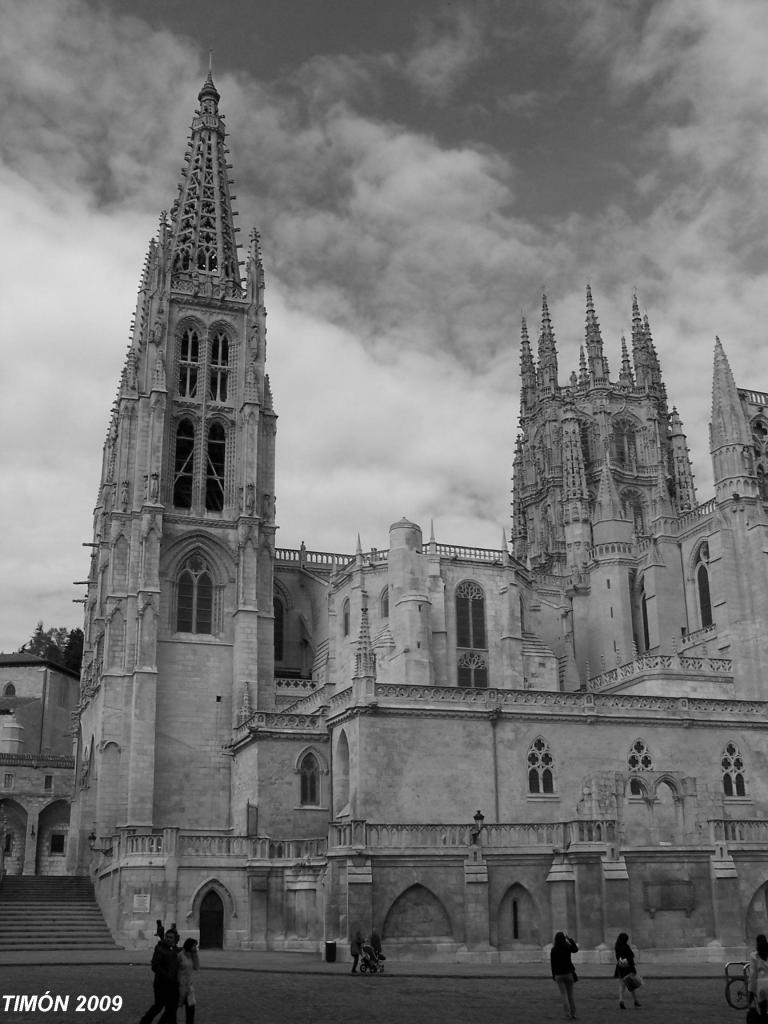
466 748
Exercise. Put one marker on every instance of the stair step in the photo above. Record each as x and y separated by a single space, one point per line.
51 912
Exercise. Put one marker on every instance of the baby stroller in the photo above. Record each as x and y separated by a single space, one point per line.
370 962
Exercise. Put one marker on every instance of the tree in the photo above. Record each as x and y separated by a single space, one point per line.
58 644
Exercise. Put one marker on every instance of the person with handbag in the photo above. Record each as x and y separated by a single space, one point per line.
563 971
757 978
626 971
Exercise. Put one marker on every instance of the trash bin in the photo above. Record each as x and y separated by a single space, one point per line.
330 952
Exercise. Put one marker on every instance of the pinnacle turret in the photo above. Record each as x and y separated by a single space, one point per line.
598 366
547 368
527 368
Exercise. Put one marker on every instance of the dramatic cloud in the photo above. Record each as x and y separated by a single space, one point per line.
400 252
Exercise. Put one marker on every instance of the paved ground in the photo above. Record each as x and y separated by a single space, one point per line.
274 988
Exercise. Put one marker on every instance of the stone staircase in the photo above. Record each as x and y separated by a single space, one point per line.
51 912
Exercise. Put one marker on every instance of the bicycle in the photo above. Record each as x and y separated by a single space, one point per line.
736 980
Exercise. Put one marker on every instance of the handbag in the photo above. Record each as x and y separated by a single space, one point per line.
632 982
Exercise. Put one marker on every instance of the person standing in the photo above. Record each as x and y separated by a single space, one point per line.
757 983
563 971
355 949
165 985
189 961
625 968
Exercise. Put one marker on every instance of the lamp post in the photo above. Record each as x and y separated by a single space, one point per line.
476 829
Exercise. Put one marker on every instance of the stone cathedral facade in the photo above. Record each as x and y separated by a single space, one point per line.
467 748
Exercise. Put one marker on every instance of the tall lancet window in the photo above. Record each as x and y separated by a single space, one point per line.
184 465
219 368
214 475
194 597
702 585
189 362
471 641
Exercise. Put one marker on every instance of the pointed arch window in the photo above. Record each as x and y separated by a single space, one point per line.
762 483
384 603
189 363
345 617
184 464
702 586
624 445
541 767
309 775
10 690
279 628
219 367
732 764
194 597
215 462
471 638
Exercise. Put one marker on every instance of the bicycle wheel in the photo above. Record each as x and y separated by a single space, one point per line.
736 993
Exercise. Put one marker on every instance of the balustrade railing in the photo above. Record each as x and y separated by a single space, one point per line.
547 835
472 553
676 664
739 830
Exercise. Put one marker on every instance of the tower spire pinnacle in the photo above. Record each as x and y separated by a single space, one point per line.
204 248
598 367
547 352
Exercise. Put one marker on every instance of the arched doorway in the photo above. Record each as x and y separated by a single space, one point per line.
211 921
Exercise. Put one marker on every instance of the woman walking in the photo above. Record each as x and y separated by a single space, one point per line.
189 961
757 984
625 968
563 970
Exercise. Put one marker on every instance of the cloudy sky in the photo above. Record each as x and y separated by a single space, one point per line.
419 171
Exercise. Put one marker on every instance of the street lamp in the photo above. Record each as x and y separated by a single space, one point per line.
97 849
478 819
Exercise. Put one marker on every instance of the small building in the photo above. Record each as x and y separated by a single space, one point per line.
37 701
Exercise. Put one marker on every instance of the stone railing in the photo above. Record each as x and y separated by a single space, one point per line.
33 760
279 721
754 397
321 559
700 512
674 664
146 845
288 686
469 553
544 835
699 636
739 830
264 848
206 845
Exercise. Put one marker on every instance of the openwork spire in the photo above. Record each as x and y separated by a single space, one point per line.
203 249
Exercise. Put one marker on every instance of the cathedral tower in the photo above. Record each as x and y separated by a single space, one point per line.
179 619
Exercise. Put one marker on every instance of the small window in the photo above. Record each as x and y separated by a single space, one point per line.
541 777
48 783
384 603
635 788
309 773
8 780
57 842
10 690
345 617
